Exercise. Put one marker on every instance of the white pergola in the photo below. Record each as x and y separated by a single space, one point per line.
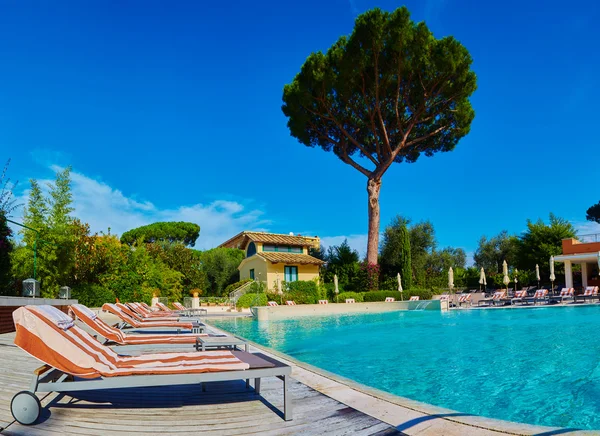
584 259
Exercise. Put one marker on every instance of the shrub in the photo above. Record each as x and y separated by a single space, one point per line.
92 295
232 287
327 291
302 292
358 296
251 299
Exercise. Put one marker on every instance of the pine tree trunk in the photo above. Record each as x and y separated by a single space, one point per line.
373 187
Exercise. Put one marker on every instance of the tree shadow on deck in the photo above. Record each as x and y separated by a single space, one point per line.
175 396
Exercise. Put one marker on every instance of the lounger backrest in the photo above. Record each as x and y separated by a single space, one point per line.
566 292
521 294
129 312
591 290
272 303
540 293
290 303
414 298
116 310
162 307
92 320
323 301
179 306
498 295
350 300
444 297
389 299
137 310
464 297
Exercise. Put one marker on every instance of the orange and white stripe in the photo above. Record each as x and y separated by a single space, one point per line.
125 317
350 300
521 294
179 306
414 298
323 302
272 303
389 299
113 334
290 303
124 308
464 298
73 351
590 291
567 292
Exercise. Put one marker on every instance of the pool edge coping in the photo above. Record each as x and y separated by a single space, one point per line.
473 421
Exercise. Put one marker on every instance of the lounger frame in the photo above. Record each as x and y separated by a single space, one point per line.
49 379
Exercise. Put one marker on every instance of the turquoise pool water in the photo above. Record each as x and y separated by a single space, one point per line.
538 366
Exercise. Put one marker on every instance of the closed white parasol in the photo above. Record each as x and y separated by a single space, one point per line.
400 287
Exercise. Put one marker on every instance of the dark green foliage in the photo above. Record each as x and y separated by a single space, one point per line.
252 299
302 292
8 204
395 252
220 266
181 232
423 294
6 248
182 259
493 251
541 241
422 244
593 213
358 296
232 287
343 261
93 295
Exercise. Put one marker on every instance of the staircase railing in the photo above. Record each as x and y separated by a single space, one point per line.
235 295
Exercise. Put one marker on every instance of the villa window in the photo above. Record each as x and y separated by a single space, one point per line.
252 274
290 273
282 248
251 250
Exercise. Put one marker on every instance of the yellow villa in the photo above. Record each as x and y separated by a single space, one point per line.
269 255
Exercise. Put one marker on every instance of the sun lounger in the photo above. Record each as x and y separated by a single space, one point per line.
350 300
496 298
590 292
540 295
519 296
147 314
565 294
69 354
290 303
182 310
464 299
124 314
323 302
389 299
414 298
113 335
272 303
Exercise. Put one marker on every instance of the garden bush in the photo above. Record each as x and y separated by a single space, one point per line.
358 296
251 299
302 292
92 295
382 295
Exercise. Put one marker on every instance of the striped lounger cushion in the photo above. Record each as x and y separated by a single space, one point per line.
113 334
389 299
323 301
414 298
73 351
272 303
116 310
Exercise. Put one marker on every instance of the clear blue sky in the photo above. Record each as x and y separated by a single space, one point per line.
171 110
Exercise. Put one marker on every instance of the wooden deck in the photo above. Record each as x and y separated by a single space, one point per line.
226 408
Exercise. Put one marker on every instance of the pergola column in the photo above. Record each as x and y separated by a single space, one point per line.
568 274
584 275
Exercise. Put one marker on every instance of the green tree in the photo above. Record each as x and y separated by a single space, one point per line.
174 232
8 203
182 259
220 266
6 248
387 93
396 251
493 251
541 241
422 244
342 261
593 213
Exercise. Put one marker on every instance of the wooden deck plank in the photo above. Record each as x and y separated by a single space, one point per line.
226 408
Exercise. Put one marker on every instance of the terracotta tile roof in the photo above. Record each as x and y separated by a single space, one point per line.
290 258
240 240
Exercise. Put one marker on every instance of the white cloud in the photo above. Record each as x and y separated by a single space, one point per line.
357 242
586 227
103 206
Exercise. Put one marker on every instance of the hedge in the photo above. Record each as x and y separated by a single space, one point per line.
251 299
302 292
358 296
423 294
92 295
232 287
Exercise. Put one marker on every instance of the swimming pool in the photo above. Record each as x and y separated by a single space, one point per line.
537 366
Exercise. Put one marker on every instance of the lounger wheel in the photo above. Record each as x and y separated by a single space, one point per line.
25 408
